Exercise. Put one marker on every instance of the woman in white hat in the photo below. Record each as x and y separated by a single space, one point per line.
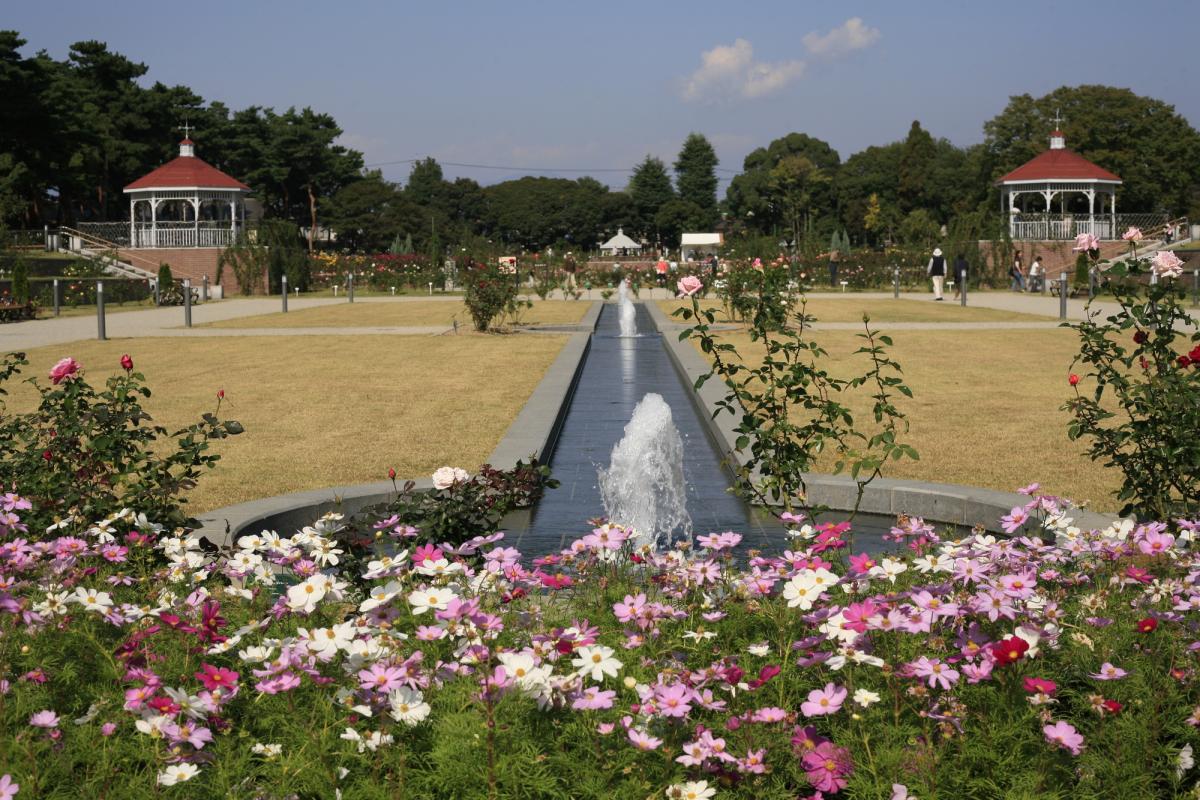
937 271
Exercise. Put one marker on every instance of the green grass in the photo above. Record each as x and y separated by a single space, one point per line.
851 309
401 314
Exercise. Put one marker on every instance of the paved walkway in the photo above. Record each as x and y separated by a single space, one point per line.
168 322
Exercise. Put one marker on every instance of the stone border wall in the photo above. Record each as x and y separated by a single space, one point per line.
940 502
534 432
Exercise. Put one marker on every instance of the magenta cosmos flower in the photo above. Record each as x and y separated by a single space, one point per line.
827 766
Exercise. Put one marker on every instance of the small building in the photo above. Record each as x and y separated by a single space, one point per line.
699 246
620 245
1058 172
186 203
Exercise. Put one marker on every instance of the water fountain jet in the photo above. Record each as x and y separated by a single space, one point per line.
643 487
628 314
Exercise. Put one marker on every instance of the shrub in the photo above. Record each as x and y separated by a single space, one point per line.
87 453
488 293
248 260
165 279
20 282
1137 405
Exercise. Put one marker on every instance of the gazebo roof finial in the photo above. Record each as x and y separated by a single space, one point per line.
1057 140
187 148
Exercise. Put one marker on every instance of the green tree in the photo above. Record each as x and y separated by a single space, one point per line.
750 199
1154 150
677 216
370 213
696 177
792 184
649 190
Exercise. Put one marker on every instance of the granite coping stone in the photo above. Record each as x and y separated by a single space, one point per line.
939 502
532 433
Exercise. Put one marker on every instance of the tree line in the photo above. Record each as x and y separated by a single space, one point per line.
74 132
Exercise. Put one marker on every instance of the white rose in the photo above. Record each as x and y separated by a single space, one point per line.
445 477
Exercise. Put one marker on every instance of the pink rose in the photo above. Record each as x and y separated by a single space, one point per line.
63 370
1132 235
1166 264
445 477
1085 242
689 285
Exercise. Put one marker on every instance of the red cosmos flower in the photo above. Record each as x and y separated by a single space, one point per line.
1112 706
1147 625
765 674
1010 650
163 705
1035 685
564 647
1073 379
217 677
126 363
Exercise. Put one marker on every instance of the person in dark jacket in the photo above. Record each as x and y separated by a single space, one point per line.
937 271
960 274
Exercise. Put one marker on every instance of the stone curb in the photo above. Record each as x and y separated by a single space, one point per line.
940 502
533 432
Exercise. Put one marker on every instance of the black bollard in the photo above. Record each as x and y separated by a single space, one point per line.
1062 296
187 303
204 290
100 333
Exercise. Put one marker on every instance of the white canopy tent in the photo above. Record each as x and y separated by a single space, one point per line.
696 246
620 245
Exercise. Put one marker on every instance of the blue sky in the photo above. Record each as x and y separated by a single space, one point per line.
599 85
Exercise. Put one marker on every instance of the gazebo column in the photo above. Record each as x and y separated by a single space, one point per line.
195 201
233 220
1091 196
154 220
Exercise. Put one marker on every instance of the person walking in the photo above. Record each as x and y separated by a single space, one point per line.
569 268
1017 273
834 257
937 271
1037 274
960 274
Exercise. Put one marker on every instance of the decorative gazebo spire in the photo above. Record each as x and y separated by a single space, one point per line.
1057 140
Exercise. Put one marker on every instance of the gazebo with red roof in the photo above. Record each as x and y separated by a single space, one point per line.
186 203
1059 171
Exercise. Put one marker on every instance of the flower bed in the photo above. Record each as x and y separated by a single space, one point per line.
134 660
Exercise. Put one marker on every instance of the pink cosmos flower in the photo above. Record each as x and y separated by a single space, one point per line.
688 285
1065 736
594 699
1109 673
824 701
1085 242
642 740
1013 521
1036 685
1166 264
754 762
1156 542
63 370
382 678
108 729
217 677
44 719
8 788
935 671
674 700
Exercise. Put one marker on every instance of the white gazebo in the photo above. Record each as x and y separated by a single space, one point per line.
696 246
1059 172
620 245
186 203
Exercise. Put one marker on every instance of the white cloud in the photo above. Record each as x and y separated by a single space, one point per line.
851 35
730 70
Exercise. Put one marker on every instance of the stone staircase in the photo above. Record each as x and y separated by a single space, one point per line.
108 255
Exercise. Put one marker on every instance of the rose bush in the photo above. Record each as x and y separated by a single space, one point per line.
1057 663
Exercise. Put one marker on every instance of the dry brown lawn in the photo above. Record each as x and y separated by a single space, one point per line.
326 411
851 309
985 409
406 313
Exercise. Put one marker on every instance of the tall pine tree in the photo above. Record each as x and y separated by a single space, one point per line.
649 190
696 175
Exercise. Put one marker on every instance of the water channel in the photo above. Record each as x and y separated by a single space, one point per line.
617 373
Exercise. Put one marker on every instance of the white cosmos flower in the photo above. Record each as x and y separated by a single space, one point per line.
407 706
424 599
380 594
596 661
865 697
267 750
1185 762
801 591
700 635
438 567
177 773
256 654
888 568
153 725
93 599
305 596
760 649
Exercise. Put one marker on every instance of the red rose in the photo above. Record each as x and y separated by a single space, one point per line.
1183 361
1194 355
46 454
1140 337
220 394
126 362
1147 625
1073 379
391 473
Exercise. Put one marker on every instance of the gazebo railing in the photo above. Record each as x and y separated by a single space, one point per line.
115 232
1045 227
183 234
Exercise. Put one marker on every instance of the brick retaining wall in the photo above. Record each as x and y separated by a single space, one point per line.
187 262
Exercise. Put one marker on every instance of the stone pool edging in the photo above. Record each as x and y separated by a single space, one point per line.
533 432
940 502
